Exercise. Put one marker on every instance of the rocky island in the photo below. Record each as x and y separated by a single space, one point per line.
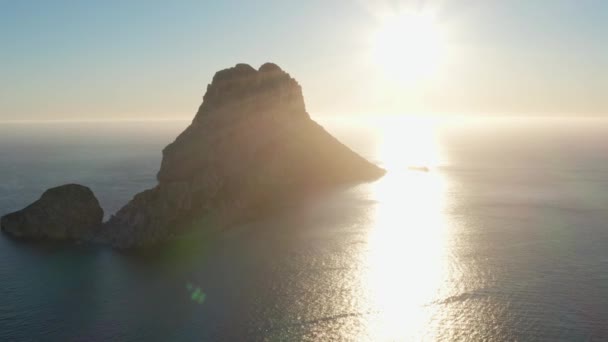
69 211
250 149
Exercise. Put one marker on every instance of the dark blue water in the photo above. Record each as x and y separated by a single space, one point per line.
503 239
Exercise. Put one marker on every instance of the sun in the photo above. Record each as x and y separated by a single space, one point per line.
408 46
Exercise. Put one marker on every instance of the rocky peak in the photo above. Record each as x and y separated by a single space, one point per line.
257 90
240 104
270 67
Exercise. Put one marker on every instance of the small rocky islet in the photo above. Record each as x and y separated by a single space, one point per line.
250 149
69 211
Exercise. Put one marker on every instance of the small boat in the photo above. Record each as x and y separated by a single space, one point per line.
419 168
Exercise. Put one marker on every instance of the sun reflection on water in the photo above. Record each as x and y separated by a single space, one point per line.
406 142
405 260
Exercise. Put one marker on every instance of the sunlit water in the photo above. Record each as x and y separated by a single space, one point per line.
504 238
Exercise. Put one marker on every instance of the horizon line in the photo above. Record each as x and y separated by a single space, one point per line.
320 116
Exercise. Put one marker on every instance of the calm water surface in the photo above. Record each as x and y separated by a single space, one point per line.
503 239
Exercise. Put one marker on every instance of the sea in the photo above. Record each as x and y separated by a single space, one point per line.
483 229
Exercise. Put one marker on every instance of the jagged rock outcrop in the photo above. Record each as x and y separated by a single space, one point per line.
251 148
65 212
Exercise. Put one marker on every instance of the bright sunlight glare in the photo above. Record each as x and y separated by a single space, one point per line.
414 243
408 142
408 47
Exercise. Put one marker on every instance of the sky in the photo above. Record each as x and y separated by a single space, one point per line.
91 60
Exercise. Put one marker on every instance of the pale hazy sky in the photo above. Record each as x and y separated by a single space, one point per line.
153 59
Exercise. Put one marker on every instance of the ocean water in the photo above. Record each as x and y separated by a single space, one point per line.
504 238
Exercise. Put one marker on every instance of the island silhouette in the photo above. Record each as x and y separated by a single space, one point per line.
251 149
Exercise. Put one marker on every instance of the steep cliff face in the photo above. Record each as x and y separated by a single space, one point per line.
251 148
